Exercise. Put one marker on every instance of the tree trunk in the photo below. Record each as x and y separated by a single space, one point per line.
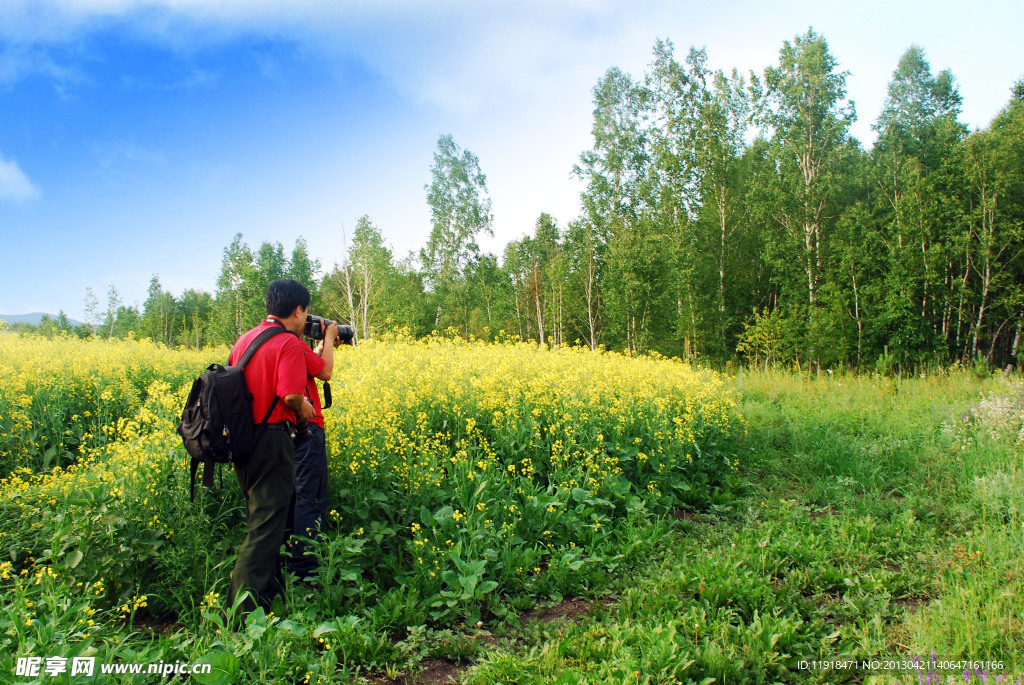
365 304
519 317
856 312
1016 338
535 286
808 257
995 338
589 289
988 230
721 266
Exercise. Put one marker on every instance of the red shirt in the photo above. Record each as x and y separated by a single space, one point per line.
277 369
314 365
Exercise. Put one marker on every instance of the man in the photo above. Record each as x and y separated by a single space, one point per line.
276 375
311 464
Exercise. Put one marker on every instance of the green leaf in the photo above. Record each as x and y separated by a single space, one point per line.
469 583
214 619
581 495
75 558
627 454
324 628
292 627
444 514
257 617
223 668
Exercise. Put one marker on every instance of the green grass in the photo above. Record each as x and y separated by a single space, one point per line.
862 530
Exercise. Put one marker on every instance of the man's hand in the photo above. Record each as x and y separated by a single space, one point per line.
307 411
331 335
302 407
325 350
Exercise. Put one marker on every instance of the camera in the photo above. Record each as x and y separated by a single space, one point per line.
300 432
316 328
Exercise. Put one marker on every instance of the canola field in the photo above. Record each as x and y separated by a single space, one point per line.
467 481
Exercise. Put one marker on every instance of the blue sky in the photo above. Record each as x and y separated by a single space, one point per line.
138 136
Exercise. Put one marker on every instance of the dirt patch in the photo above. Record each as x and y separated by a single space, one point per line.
156 627
442 671
567 609
826 599
435 672
683 515
571 609
816 514
910 604
485 638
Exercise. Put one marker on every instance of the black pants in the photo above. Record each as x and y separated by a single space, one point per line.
310 500
268 482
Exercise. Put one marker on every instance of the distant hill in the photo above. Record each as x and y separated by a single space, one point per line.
34 318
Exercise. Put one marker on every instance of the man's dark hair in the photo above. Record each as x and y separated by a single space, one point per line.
284 296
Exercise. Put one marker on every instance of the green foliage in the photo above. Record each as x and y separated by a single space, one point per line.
857 536
771 338
460 211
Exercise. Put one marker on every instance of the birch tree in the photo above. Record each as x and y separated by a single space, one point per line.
914 183
460 211
370 266
803 110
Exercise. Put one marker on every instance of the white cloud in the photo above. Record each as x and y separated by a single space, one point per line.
14 184
19 61
454 54
463 56
116 153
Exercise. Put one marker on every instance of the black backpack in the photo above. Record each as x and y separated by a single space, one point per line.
216 423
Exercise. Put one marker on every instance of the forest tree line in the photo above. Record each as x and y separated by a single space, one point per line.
724 217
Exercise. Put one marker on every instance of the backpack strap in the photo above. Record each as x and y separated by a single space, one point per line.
251 350
258 342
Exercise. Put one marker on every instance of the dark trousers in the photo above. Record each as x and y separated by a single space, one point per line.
268 482
310 500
